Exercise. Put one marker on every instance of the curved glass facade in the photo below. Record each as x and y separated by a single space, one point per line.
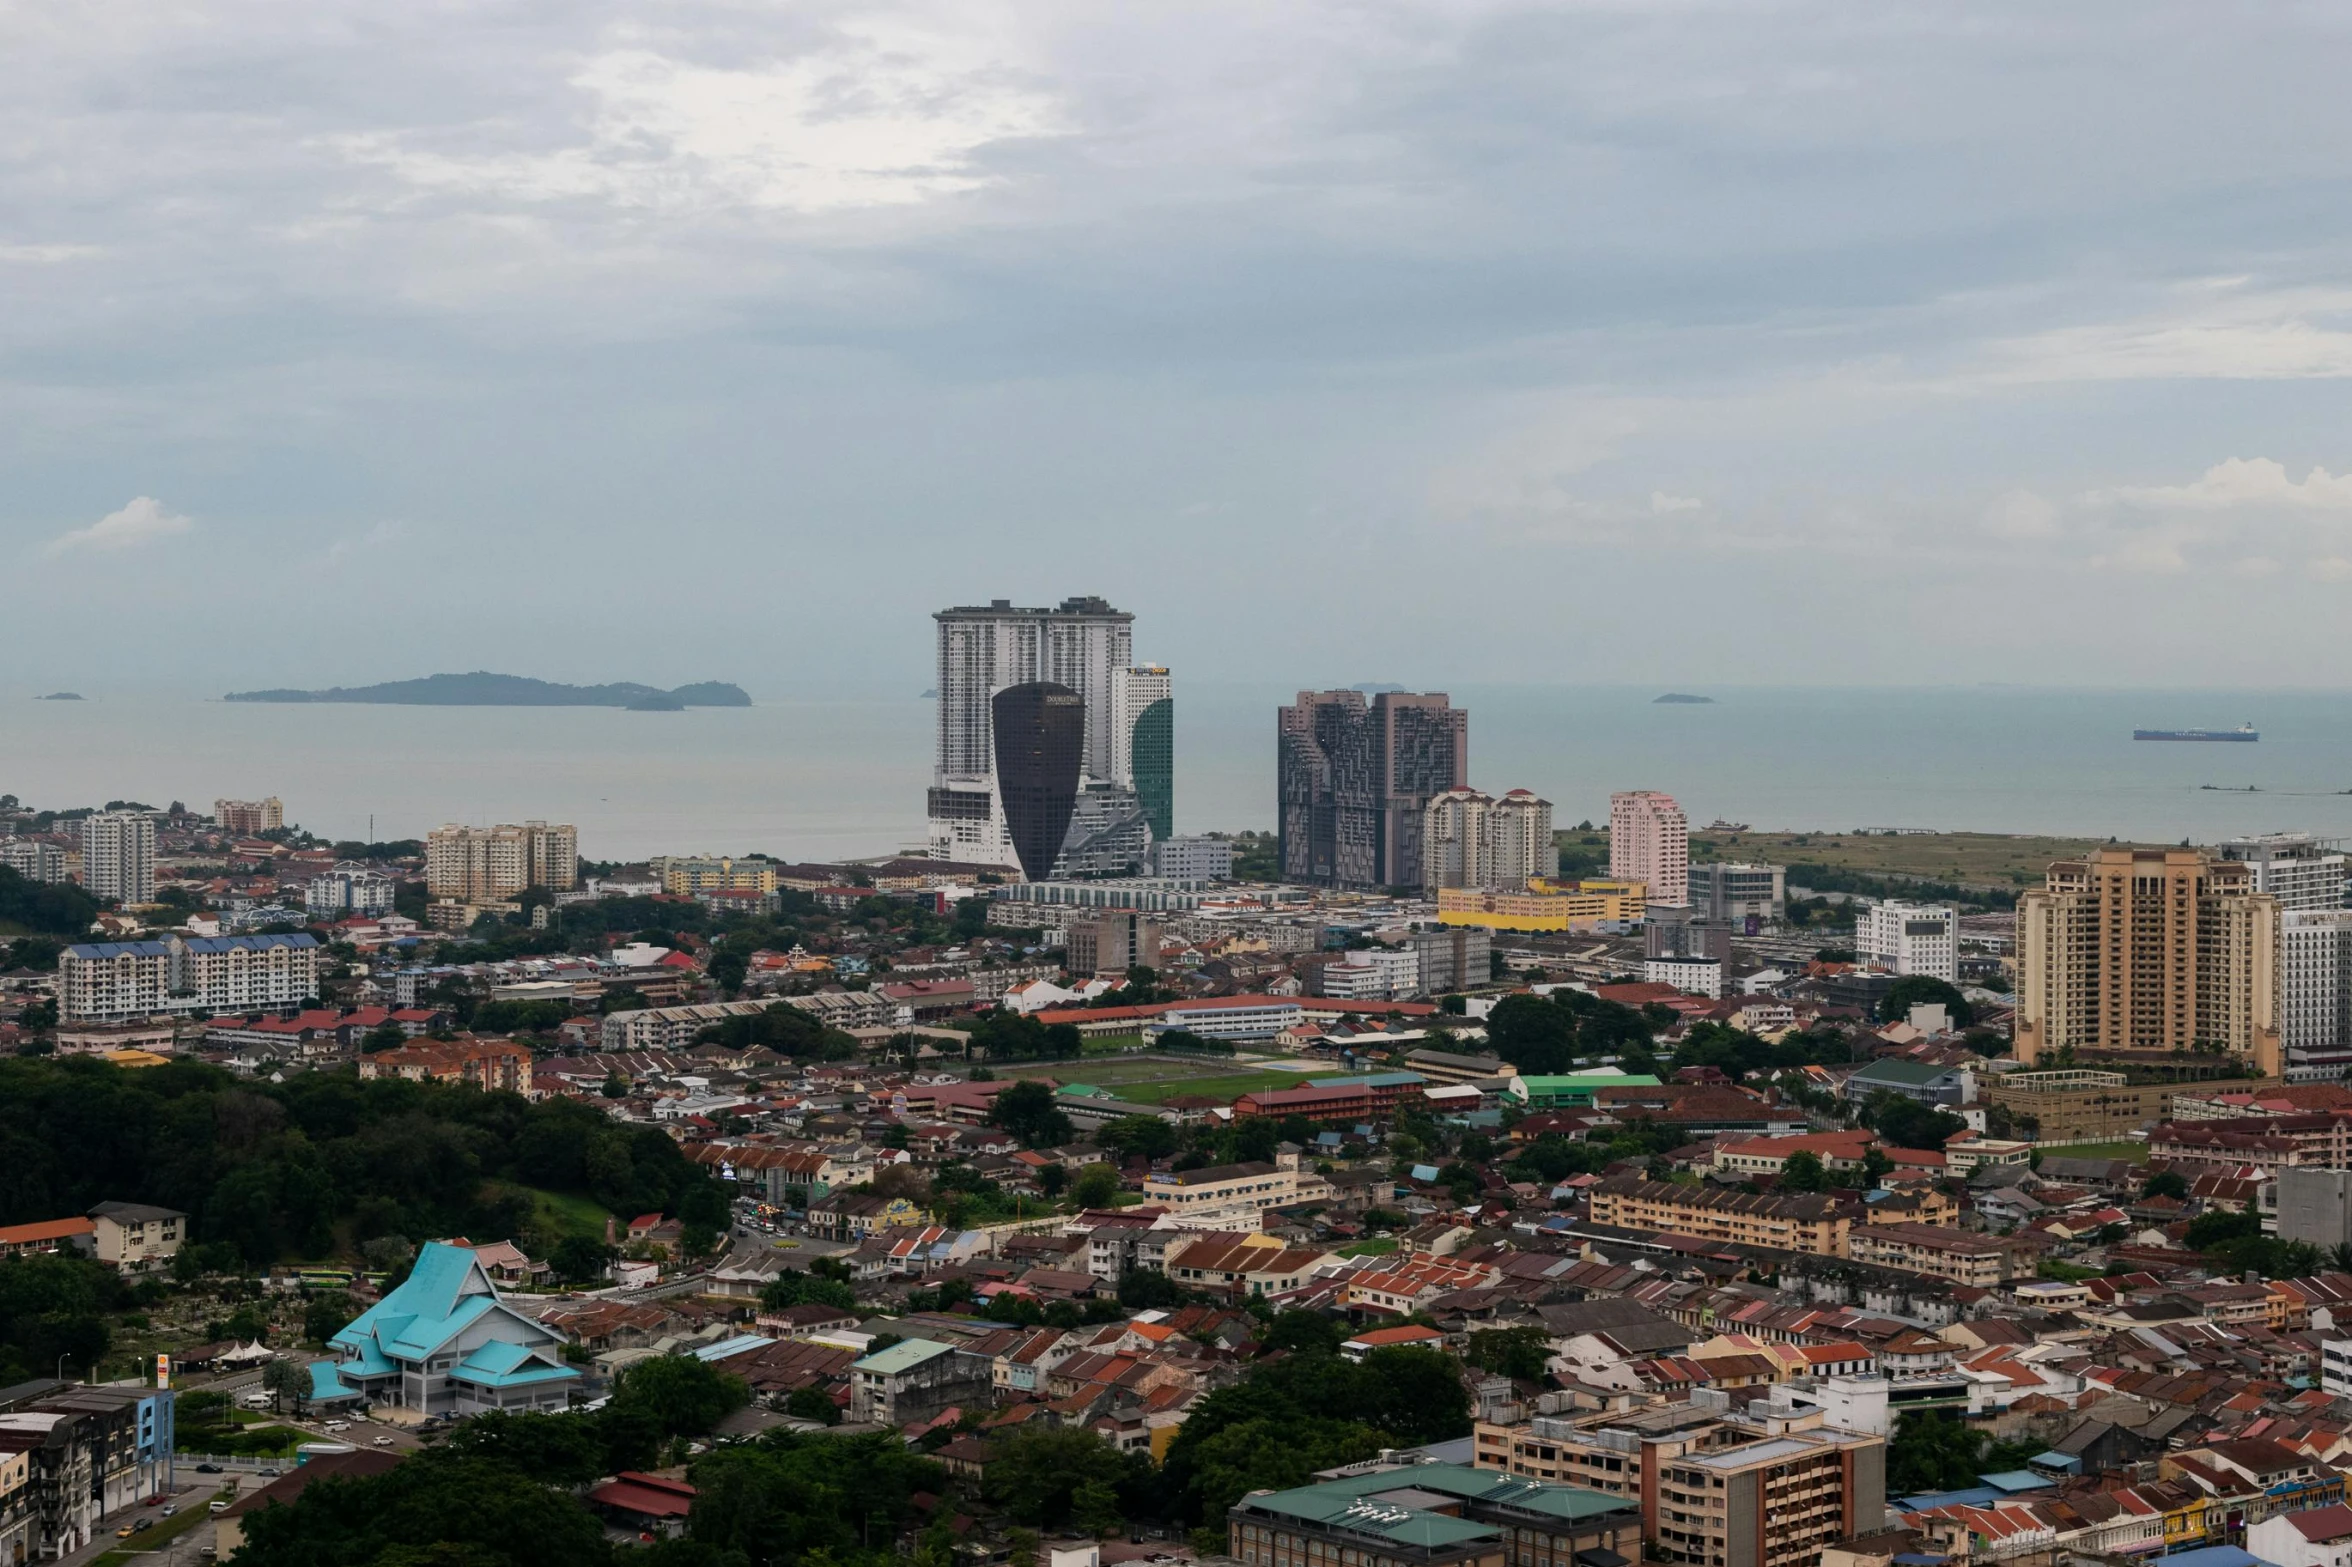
1040 734
1153 753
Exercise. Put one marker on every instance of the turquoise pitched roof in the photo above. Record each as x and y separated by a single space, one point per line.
325 1386
423 1335
506 1365
430 1306
369 1361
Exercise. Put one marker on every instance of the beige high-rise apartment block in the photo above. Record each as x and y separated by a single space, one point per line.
1475 840
245 818
2149 952
477 864
1649 842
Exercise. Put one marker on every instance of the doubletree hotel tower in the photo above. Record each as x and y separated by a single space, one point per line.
1056 750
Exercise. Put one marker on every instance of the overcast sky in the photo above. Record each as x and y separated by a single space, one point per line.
1906 341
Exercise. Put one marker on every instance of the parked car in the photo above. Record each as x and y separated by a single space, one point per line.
218 1506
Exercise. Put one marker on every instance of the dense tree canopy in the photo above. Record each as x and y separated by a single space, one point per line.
1014 1036
1914 990
1027 1110
785 1029
1308 1411
47 908
284 1169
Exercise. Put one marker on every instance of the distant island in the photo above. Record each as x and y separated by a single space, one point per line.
1682 698
61 696
483 689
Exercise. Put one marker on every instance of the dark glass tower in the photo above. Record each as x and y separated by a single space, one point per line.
1040 731
1353 778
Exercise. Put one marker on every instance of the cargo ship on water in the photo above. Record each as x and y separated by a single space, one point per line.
2244 732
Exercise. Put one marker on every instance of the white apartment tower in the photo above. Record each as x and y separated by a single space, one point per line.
118 856
1649 842
1455 849
1911 938
2301 871
2315 993
1521 834
479 864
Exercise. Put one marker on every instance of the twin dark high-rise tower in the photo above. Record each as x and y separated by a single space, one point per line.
1354 777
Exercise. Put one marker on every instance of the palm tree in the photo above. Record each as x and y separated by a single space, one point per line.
2341 1258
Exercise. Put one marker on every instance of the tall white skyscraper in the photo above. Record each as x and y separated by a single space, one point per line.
1083 645
2306 875
2315 993
118 856
1126 750
1649 842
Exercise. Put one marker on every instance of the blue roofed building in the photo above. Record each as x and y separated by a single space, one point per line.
444 1343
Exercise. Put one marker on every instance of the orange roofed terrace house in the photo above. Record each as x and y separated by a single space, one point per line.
488 1064
1812 1224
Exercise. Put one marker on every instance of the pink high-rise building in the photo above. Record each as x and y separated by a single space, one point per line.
1649 841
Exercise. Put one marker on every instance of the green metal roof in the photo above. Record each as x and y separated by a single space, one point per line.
1576 1082
1355 1502
1915 1074
904 1355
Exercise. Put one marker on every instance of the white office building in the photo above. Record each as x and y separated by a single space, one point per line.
1193 858
1732 893
1911 938
1693 976
118 856
2315 993
2301 871
349 890
1373 974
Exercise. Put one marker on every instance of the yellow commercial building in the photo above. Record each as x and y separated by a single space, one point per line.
683 876
1545 905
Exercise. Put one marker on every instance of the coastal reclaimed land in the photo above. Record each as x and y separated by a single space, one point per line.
1968 859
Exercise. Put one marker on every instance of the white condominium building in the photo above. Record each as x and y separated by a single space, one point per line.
110 981
1911 938
478 864
2301 871
349 889
2315 993
1649 842
37 861
118 856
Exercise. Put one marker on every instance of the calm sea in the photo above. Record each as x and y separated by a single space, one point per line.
811 775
